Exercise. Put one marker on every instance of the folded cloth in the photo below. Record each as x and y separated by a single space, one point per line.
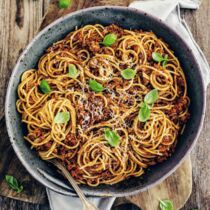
64 202
169 11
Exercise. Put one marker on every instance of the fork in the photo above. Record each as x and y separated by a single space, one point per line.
87 205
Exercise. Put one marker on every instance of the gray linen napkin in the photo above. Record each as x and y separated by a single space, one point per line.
169 11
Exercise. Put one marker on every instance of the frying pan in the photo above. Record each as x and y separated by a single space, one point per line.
126 18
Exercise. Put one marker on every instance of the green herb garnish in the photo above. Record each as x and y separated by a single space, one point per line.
95 86
149 100
62 117
128 73
73 73
165 61
112 137
144 112
13 183
151 97
109 39
44 86
64 3
159 58
166 205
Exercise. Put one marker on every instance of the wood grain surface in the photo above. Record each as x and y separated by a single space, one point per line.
19 22
174 185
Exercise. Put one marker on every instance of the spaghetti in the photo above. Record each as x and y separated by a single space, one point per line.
80 143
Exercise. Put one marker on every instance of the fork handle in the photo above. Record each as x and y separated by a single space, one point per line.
87 205
57 200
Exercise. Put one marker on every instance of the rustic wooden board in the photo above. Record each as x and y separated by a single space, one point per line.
33 191
54 12
177 188
17 28
23 18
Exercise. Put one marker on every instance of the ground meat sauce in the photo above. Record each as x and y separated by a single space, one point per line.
86 153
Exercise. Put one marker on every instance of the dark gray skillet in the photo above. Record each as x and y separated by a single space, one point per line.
127 18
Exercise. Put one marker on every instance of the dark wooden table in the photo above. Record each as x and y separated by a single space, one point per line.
19 21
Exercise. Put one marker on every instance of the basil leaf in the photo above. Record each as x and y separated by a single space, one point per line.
144 113
44 86
166 205
157 57
64 3
13 183
165 61
73 73
151 97
20 189
109 39
128 73
112 137
95 86
62 117
141 104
